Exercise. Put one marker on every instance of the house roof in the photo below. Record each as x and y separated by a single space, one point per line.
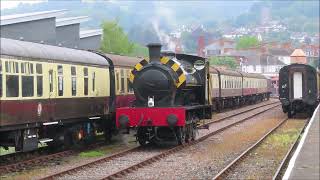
280 51
19 18
298 53
270 60
252 57
89 33
71 20
216 44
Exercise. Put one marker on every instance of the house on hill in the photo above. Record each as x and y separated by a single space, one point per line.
219 47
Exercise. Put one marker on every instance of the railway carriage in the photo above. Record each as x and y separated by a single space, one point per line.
255 87
226 88
299 89
123 89
52 94
232 88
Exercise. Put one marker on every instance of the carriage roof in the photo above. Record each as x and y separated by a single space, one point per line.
18 48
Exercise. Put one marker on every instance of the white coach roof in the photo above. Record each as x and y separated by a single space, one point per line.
18 48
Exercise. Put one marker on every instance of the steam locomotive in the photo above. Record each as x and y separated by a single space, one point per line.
172 95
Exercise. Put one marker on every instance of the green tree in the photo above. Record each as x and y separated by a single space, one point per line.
189 42
229 62
140 51
247 42
115 40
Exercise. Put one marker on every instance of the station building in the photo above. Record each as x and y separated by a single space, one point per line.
50 27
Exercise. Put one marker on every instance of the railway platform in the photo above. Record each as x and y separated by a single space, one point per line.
304 164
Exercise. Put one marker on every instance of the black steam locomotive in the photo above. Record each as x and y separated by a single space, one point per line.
172 95
299 89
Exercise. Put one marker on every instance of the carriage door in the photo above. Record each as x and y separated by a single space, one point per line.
297 85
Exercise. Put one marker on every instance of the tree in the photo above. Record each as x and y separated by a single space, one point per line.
115 40
229 62
189 42
247 42
140 51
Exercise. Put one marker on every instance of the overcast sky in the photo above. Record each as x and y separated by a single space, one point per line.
7 4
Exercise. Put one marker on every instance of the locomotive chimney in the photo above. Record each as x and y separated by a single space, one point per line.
154 52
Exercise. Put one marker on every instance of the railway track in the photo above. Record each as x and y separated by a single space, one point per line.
284 163
235 114
102 164
25 164
224 172
7 167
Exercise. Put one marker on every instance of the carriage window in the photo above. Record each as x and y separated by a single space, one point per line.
93 81
51 81
73 81
7 67
16 67
39 86
12 83
39 68
39 80
0 78
60 80
85 72
27 86
31 68
117 81
130 88
23 70
122 80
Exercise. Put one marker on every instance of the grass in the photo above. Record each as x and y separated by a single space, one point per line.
284 138
91 154
9 151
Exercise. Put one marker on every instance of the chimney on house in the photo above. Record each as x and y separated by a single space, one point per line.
298 56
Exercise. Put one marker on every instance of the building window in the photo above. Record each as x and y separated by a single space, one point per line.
60 80
86 81
73 81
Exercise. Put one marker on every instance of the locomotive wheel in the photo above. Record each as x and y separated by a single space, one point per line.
180 135
141 137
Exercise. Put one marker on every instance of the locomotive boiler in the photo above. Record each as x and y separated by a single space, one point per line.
171 96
